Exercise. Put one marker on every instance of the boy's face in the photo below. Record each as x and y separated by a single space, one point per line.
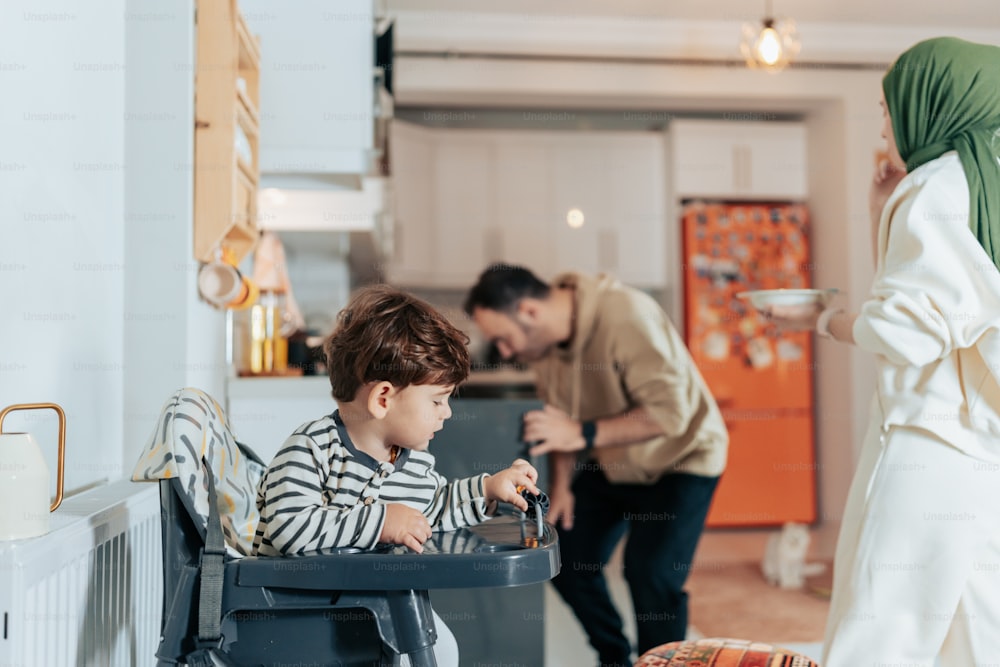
416 413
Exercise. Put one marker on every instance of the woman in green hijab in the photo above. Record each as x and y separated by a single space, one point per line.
917 569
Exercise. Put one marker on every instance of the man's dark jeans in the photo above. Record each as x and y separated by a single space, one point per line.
664 522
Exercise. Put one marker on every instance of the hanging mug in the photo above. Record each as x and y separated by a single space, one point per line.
24 478
223 286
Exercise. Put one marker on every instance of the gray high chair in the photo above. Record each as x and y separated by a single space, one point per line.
343 607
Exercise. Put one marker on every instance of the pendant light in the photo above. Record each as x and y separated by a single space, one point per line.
772 45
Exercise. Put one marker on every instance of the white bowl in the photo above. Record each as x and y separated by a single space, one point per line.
766 298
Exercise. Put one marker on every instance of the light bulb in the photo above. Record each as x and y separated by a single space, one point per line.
574 218
769 46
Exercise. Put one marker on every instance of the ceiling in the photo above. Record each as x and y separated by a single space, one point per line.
983 14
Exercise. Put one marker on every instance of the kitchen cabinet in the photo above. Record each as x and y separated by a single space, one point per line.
317 84
466 198
227 131
579 181
412 205
463 210
739 159
521 223
324 209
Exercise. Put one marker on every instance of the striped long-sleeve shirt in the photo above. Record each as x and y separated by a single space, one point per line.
320 491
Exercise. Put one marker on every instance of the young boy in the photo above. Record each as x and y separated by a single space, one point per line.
363 476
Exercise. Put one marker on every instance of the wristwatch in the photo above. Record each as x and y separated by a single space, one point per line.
823 321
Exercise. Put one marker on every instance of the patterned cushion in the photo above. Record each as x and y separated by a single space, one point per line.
721 653
192 435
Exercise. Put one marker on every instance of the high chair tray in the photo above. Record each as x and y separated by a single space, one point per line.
504 551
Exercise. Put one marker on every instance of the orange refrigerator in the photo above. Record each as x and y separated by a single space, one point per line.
762 380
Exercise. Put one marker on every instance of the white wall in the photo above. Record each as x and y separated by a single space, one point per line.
172 339
62 251
96 277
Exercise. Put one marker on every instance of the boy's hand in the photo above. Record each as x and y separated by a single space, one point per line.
405 525
504 486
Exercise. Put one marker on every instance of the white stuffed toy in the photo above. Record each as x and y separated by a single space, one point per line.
784 562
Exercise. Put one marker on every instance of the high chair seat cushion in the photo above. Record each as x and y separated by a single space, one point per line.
722 653
193 434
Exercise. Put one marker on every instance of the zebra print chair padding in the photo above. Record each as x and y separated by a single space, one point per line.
192 431
210 615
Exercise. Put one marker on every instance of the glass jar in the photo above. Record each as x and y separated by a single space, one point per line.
268 343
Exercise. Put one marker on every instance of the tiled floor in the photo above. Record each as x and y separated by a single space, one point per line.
565 643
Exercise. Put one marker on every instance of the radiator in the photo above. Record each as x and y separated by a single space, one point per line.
89 592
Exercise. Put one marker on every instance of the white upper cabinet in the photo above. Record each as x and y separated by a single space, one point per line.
739 159
637 243
316 84
464 193
412 156
580 193
466 198
522 228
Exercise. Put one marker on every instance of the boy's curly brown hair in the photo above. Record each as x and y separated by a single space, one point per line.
385 334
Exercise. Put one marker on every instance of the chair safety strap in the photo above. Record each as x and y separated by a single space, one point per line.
210 590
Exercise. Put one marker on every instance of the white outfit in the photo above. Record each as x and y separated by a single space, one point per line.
917 570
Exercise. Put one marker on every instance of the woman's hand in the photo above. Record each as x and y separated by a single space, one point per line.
794 318
884 180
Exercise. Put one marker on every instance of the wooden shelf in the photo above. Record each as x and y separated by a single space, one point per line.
227 99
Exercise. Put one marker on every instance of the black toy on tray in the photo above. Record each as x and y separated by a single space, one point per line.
533 500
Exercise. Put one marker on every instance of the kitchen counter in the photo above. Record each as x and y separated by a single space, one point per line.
512 384
504 376
308 386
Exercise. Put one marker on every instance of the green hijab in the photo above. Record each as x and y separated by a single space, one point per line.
944 94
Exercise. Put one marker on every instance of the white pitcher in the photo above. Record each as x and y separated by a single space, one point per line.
24 478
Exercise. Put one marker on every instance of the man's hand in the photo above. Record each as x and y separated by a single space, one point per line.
561 505
554 430
405 525
505 485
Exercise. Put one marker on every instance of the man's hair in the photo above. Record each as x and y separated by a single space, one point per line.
502 286
385 334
